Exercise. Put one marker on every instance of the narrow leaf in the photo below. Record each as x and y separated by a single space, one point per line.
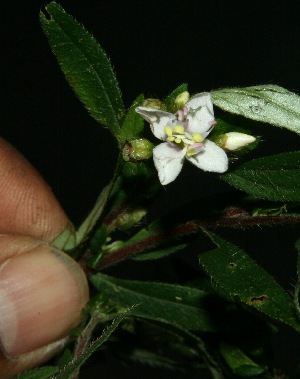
158 254
266 103
98 240
39 373
66 240
146 232
133 125
239 362
275 178
242 278
85 66
177 305
94 216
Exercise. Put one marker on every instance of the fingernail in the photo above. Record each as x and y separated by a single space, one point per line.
11 367
42 292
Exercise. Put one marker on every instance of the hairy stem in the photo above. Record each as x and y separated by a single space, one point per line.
232 219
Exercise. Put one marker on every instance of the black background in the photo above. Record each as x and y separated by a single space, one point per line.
154 46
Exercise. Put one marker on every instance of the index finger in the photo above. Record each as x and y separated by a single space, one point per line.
27 204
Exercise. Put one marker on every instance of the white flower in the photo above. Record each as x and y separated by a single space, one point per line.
185 135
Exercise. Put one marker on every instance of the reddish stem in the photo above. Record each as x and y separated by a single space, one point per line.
234 218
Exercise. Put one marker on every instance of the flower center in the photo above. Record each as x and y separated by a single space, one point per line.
191 144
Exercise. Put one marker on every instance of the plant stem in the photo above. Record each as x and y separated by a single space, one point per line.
226 219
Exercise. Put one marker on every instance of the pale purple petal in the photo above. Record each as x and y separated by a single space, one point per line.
158 120
168 160
211 158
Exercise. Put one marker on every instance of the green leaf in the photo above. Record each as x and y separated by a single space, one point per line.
39 373
98 240
133 125
85 66
117 195
158 254
65 357
144 233
66 240
166 340
94 216
242 278
267 103
174 304
238 361
275 178
68 371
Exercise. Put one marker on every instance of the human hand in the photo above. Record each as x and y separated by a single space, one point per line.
42 290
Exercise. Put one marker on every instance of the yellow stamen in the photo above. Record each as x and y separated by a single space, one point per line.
177 140
168 131
179 129
191 152
197 137
171 139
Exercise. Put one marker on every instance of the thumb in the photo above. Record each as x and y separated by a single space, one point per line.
42 292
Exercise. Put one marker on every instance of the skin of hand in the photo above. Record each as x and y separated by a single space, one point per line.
42 290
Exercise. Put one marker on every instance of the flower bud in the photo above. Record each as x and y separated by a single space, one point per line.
182 99
153 103
233 141
137 150
130 218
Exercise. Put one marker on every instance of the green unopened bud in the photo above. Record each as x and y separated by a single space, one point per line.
182 99
233 141
220 140
153 103
137 150
131 218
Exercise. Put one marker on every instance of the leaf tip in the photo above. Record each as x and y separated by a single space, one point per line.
44 14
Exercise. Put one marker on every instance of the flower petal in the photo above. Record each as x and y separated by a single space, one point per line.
201 114
158 120
168 161
211 158
199 100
